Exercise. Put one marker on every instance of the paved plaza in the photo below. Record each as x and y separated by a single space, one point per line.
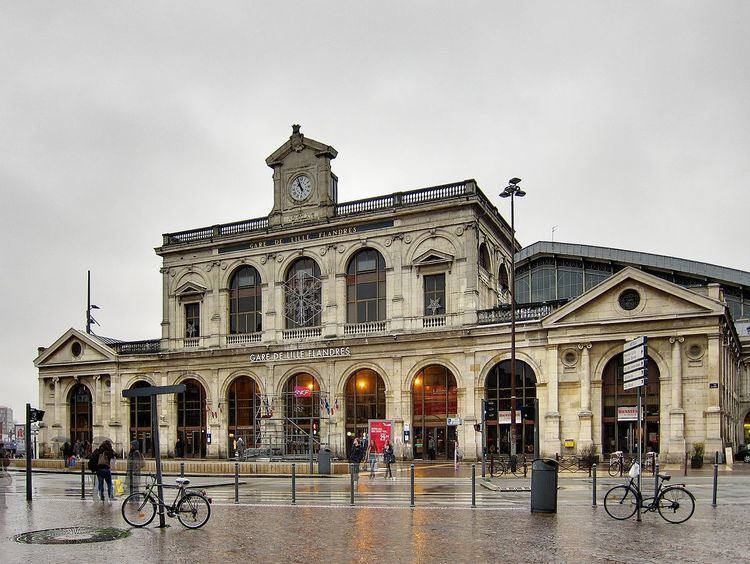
442 527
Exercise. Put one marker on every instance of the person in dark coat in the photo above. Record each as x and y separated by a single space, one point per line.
179 449
388 458
355 457
135 467
106 455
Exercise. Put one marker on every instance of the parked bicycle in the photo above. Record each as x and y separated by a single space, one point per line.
516 467
191 507
674 503
619 465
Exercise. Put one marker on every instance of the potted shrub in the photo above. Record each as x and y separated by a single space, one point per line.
696 460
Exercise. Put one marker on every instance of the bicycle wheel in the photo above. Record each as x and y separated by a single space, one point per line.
614 468
193 511
621 502
138 509
675 504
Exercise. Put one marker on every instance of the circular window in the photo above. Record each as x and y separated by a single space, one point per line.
629 300
76 349
695 351
569 357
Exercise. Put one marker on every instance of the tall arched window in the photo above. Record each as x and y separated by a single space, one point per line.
191 421
434 399
243 403
303 296
245 301
619 410
365 287
80 414
499 388
484 257
140 420
302 410
364 400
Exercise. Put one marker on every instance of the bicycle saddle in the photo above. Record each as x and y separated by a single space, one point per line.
182 481
665 477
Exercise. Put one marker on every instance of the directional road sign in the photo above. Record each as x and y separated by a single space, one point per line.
630 376
637 342
638 364
633 355
634 384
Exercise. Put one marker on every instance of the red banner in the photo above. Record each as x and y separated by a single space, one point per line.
302 392
381 431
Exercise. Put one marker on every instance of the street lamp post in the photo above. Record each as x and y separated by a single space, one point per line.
513 191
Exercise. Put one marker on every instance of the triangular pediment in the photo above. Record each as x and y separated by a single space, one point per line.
433 257
297 144
75 347
656 299
190 289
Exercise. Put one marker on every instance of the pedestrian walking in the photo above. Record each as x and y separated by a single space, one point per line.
104 457
388 458
431 448
135 467
241 448
372 459
5 478
179 449
355 458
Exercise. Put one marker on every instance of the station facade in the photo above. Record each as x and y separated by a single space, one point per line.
293 330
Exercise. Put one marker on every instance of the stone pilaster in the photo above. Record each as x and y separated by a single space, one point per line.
551 437
58 403
585 416
676 447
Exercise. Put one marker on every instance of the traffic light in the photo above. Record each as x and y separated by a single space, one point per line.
36 415
528 412
490 410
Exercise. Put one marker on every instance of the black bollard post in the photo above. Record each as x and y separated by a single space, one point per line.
656 479
716 457
412 486
236 482
83 478
473 485
351 484
716 484
686 463
294 484
182 469
622 463
593 486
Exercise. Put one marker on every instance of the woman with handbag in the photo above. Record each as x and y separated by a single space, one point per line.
388 458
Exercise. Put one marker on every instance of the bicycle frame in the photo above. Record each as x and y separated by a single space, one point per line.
151 494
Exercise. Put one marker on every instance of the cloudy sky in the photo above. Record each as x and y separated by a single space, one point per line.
628 122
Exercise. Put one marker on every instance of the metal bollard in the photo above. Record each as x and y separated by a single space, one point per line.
351 484
656 479
686 463
83 479
473 485
236 482
182 469
412 485
622 463
716 457
593 487
716 484
294 484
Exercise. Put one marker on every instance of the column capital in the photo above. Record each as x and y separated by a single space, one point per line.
676 339
582 346
56 380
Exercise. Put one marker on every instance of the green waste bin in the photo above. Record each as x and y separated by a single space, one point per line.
324 461
544 485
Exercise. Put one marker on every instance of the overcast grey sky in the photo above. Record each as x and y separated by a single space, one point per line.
628 122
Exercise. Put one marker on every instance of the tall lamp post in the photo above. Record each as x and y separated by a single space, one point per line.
512 191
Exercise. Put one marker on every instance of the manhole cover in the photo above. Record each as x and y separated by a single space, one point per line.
71 535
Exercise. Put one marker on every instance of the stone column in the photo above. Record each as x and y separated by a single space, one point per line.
165 309
58 414
97 401
551 437
114 402
676 447
585 416
713 406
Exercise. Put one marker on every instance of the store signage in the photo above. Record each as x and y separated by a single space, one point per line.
381 431
713 385
308 236
454 421
300 354
627 413
503 417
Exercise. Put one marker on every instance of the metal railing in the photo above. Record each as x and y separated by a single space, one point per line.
524 312
148 346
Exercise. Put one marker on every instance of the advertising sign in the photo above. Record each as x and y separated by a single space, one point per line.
302 392
628 413
503 417
381 431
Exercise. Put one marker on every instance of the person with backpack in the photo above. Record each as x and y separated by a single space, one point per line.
100 462
135 466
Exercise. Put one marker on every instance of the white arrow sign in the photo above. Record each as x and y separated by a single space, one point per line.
634 375
637 342
634 384
632 355
634 365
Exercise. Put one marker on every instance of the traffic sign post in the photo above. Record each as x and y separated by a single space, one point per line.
635 375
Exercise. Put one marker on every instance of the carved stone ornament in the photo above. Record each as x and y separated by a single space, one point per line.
279 258
322 251
341 249
388 242
407 239
459 231
263 259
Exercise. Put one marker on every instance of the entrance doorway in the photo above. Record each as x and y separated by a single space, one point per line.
434 399
140 420
434 443
80 414
191 421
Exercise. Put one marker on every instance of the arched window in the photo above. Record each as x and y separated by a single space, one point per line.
302 409
365 287
80 414
619 410
500 388
191 421
484 257
245 301
364 400
140 420
244 404
303 296
502 278
434 399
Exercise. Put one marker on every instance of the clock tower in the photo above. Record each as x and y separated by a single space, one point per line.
304 188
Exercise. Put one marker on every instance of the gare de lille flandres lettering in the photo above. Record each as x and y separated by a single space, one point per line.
300 354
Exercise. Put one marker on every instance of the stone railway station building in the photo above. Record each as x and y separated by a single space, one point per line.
301 326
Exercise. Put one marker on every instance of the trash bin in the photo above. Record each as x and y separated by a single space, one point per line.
324 461
544 485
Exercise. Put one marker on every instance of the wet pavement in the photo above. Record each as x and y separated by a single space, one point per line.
382 527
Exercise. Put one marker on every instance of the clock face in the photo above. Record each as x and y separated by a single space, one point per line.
300 188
